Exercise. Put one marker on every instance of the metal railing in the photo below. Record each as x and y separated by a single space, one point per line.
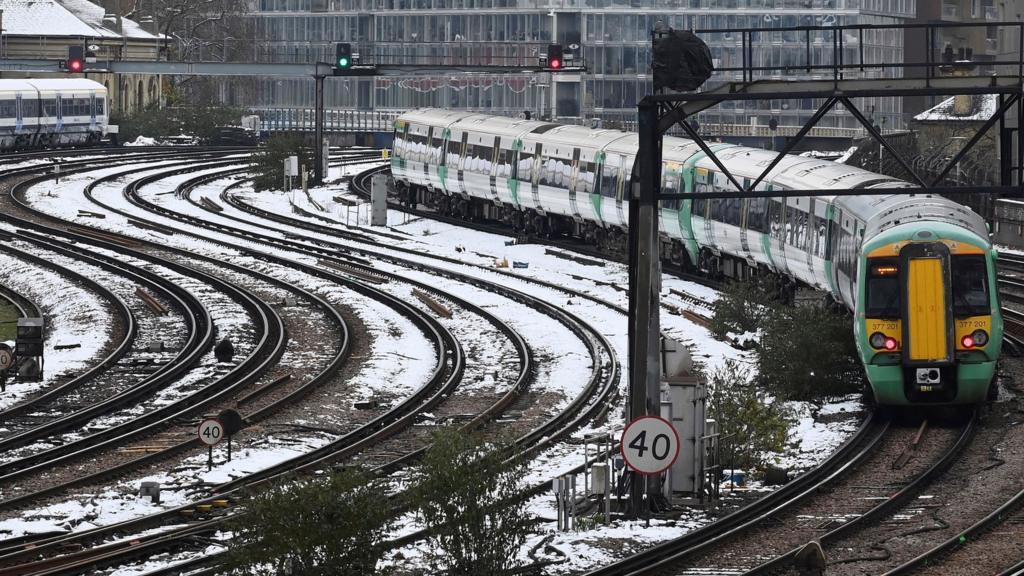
302 119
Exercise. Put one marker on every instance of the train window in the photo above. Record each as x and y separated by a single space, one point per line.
610 176
883 289
585 180
775 219
524 167
8 109
555 172
436 148
398 146
29 108
970 286
757 215
504 163
454 152
670 185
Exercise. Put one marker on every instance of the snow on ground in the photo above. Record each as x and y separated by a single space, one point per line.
74 315
478 251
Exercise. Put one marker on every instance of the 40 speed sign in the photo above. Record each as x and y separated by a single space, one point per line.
650 445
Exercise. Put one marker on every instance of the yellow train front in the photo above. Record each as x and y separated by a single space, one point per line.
928 323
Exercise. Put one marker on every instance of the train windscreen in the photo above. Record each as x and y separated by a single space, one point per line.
883 289
970 286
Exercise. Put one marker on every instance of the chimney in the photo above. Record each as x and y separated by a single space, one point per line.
112 15
963 105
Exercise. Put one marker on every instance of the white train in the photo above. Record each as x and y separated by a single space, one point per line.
51 112
916 269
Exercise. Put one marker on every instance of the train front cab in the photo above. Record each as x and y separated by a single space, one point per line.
930 330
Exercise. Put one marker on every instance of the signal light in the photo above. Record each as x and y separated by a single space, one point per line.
343 55
556 57
76 59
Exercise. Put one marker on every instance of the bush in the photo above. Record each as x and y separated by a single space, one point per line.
268 162
202 122
752 424
312 526
808 353
742 307
465 492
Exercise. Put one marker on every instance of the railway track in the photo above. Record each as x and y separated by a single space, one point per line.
577 422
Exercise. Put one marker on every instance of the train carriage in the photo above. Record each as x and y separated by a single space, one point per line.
51 112
916 270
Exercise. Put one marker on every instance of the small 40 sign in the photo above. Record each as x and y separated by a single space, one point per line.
650 445
210 431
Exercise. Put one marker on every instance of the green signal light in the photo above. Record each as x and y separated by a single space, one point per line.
343 62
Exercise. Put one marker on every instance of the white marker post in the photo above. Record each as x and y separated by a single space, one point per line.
210 432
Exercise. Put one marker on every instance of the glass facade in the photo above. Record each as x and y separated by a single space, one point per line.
613 43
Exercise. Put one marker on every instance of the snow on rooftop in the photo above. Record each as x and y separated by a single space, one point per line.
63 18
983 107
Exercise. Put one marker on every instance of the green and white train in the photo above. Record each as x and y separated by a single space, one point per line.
917 270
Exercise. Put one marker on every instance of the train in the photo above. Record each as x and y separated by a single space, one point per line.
47 113
917 270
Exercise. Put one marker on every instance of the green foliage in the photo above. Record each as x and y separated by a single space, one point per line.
742 307
804 352
8 322
808 353
202 122
312 526
464 493
268 162
752 424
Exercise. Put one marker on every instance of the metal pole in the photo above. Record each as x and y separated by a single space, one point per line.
644 280
318 141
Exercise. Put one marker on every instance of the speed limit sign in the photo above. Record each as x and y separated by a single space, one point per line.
210 431
650 445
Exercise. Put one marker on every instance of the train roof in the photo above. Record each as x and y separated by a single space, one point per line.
50 84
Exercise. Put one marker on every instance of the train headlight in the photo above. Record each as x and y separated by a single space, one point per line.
980 337
877 340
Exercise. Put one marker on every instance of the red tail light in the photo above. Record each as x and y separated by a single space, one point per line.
890 343
967 341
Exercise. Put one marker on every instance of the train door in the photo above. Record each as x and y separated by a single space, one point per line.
19 121
574 171
92 112
427 152
495 152
624 188
833 215
60 114
535 177
462 163
442 160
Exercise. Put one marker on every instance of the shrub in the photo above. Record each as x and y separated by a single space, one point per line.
752 424
742 307
202 122
808 353
268 161
312 526
465 497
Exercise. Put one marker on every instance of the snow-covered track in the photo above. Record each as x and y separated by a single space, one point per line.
864 466
26 308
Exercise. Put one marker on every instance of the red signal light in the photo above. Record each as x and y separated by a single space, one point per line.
890 343
75 65
555 64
